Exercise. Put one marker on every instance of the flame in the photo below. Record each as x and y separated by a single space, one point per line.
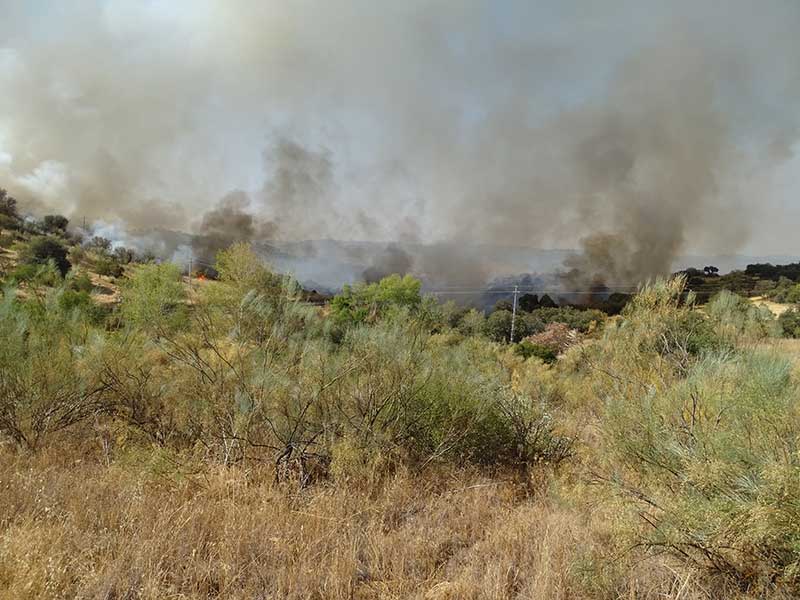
201 277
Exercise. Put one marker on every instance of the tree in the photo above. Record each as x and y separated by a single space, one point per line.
363 302
8 205
240 266
43 249
528 302
153 298
100 243
498 325
9 219
711 271
547 302
54 223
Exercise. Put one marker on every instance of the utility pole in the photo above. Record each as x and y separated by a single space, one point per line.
191 268
513 315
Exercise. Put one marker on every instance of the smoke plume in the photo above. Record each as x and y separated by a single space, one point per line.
633 132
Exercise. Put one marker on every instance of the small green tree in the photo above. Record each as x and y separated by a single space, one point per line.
362 302
55 223
241 267
153 298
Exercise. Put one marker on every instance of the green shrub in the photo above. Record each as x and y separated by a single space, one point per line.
39 274
528 349
47 383
108 267
581 319
40 250
153 298
710 464
80 283
471 323
361 303
497 326
790 323
81 301
736 317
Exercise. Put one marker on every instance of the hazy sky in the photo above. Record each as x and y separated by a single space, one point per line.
531 123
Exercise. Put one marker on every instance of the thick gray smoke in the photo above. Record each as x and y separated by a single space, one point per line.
634 131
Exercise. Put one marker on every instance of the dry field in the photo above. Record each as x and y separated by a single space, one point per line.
84 529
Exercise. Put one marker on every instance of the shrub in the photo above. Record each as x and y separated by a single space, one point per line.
790 323
153 298
80 283
7 240
736 317
71 300
46 274
55 223
526 349
108 267
471 323
46 385
709 462
99 243
367 302
497 326
557 337
242 268
581 319
41 250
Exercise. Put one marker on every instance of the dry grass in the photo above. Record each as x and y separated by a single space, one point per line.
86 530
775 308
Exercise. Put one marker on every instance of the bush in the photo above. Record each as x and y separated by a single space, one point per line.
55 223
153 298
81 301
709 462
497 326
46 385
736 317
557 337
368 302
41 250
241 267
527 349
7 240
790 323
108 267
471 323
583 320
80 283
46 274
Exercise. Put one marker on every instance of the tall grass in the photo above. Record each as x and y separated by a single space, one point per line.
238 443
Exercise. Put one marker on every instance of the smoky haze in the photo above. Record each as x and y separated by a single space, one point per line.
632 130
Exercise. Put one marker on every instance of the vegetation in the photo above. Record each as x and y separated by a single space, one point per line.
42 250
229 439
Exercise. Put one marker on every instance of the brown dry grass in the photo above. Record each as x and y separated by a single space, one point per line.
89 530
775 308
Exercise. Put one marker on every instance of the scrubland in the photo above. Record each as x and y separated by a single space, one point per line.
245 444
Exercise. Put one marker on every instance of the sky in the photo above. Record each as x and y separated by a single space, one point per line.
635 128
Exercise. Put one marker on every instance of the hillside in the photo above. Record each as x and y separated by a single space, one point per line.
162 436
